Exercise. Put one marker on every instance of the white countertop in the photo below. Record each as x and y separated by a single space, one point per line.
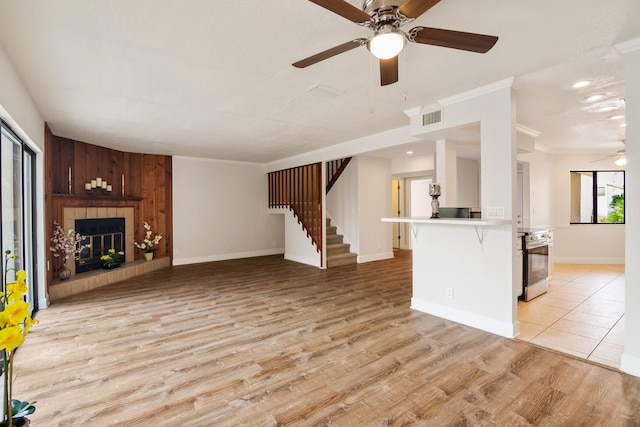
448 221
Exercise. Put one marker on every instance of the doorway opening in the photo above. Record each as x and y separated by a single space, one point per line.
409 198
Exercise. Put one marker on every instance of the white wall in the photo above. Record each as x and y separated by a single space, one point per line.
220 212
411 166
298 245
20 113
374 202
342 205
356 203
468 183
17 107
542 181
453 256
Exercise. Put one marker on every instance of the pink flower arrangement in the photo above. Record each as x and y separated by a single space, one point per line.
66 244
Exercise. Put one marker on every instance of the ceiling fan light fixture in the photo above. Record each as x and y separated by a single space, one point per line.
387 43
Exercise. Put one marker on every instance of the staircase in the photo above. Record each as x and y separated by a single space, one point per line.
300 190
337 251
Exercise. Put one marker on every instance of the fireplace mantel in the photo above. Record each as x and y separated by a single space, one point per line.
87 198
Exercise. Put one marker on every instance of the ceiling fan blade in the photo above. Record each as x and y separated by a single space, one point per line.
473 42
414 8
620 154
344 9
603 159
388 71
329 53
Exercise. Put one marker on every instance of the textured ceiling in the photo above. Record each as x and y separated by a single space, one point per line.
214 79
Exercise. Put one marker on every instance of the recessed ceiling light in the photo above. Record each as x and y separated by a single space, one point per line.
594 98
409 152
581 83
618 117
606 108
623 125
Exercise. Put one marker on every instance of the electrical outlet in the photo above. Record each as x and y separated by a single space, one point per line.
449 293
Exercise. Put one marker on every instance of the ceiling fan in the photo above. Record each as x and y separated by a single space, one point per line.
621 158
385 18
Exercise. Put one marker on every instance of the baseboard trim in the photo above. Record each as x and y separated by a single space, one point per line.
507 330
630 364
222 257
375 257
315 262
581 260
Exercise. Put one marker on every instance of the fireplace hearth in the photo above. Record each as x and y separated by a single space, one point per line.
103 234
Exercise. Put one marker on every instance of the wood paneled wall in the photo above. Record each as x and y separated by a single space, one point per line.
147 188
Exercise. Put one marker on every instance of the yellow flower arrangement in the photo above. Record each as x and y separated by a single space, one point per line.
15 323
111 258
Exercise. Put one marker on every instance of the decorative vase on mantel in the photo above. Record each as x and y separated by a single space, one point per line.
148 256
64 273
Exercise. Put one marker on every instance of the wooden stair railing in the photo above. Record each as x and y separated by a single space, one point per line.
334 170
300 190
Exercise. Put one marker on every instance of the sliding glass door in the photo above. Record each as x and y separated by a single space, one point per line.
17 167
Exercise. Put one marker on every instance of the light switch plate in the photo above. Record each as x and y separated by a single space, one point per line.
495 213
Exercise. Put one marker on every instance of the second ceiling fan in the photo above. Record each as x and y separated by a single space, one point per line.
385 17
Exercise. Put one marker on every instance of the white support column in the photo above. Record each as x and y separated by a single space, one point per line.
446 171
630 362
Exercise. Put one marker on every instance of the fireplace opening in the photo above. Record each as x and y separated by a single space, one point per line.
103 234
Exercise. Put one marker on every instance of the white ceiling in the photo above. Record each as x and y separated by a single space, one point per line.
214 78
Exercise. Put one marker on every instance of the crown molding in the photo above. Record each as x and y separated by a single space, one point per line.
482 90
628 46
528 131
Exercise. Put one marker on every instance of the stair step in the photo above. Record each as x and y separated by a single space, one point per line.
331 230
342 259
334 239
337 248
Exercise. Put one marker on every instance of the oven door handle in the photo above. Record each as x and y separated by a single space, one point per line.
536 245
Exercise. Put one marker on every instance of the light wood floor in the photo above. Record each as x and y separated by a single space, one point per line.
266 342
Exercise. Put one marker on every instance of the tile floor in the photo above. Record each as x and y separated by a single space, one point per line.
582 314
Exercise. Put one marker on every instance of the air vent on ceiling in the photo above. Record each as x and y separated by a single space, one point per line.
432 117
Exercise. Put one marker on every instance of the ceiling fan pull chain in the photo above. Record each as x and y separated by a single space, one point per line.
404 68
371 109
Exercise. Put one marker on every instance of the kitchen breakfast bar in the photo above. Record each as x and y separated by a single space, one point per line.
463 270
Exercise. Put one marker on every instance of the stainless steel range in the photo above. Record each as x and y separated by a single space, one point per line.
535 279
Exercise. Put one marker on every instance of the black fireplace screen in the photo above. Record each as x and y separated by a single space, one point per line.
103 234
